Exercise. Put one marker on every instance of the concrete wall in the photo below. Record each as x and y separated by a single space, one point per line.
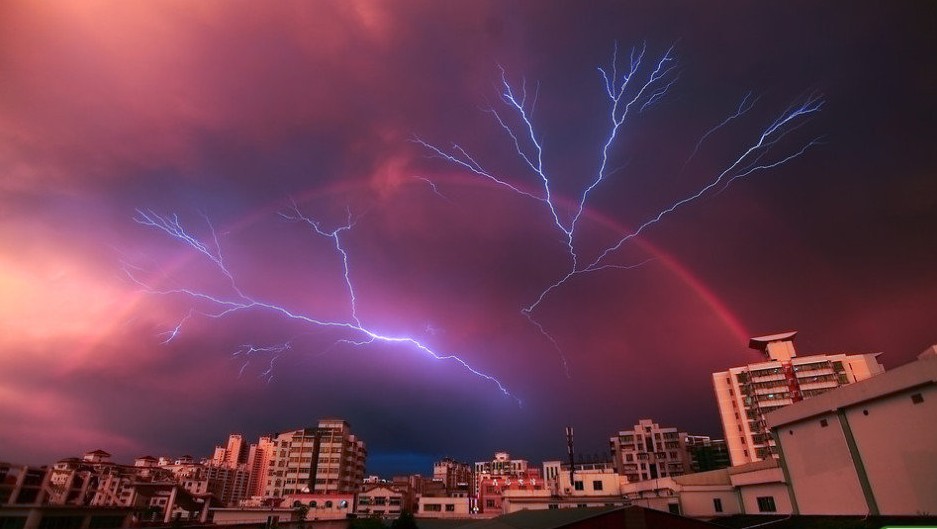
778 491
897 440
461 507
821 467
875 452
699 503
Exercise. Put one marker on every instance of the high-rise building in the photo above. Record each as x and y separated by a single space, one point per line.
231 455
258 464
650 452
745 394
324 459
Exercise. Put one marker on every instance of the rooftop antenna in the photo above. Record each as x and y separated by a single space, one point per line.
572 463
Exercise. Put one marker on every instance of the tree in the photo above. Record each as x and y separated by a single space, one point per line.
405 521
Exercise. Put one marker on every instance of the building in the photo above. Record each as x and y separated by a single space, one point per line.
23 484
259 456
866 448
228 484
334 506
385 500
754 488
611 517
231 455
746 394
444 507
453 474
649 451
502 472
324 459
588 485
706 453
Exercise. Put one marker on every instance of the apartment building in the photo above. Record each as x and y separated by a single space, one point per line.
453 474
259 455
649 451
325 459
232 454
747 393
490 477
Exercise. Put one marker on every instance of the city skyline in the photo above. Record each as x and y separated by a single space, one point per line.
247 123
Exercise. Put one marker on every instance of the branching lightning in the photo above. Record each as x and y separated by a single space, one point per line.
220 306
634 89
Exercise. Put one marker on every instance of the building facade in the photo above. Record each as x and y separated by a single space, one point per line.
649 451
232 454
453 474
325 459
867 448
491 477
259 456
706 453
747 393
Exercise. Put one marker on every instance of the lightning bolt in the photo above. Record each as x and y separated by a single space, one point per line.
275 351
238 300
639 86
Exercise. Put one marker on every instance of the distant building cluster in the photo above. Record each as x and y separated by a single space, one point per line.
821 434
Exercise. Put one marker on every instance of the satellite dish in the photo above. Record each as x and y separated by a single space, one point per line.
343 504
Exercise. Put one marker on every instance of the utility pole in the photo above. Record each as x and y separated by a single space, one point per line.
572 463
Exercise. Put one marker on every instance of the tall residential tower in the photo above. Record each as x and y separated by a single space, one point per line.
745 394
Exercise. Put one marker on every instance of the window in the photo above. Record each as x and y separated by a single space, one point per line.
596 485
824 423
580 505
490 504
450 507
432 507
917 398
553 506
766 504
717 504
629 457
578 485
674 508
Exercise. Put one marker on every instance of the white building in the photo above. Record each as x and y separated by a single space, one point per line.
444 507
324 459
746 394
383 500
649 452
867 448
753 488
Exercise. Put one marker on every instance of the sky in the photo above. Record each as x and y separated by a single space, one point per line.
239 217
